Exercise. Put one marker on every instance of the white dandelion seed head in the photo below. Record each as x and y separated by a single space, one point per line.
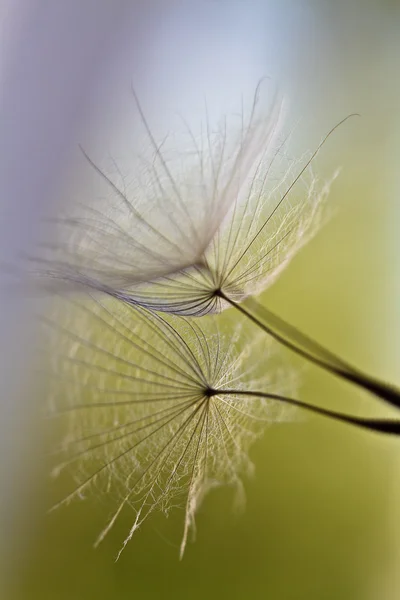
138 397
198 222
161 214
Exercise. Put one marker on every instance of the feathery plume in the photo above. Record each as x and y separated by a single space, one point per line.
161 410
163 217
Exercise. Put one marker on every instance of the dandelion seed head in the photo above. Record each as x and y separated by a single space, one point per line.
159 215
140 399
220 215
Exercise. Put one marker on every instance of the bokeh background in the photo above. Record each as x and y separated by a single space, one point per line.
322 519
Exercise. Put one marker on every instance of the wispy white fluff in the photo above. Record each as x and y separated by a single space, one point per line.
227 212
132 391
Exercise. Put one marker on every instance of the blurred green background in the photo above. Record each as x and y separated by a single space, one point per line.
322 519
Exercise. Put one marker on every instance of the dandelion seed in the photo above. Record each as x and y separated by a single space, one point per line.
160 410
162 218
184 234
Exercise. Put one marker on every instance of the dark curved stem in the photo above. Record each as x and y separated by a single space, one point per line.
310 350
387 426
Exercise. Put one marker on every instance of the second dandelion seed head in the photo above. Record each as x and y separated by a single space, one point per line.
150 404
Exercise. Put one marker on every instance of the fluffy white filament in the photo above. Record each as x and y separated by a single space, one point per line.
132 390
219 217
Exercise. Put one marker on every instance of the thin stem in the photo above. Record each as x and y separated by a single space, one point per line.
310 350
388 426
